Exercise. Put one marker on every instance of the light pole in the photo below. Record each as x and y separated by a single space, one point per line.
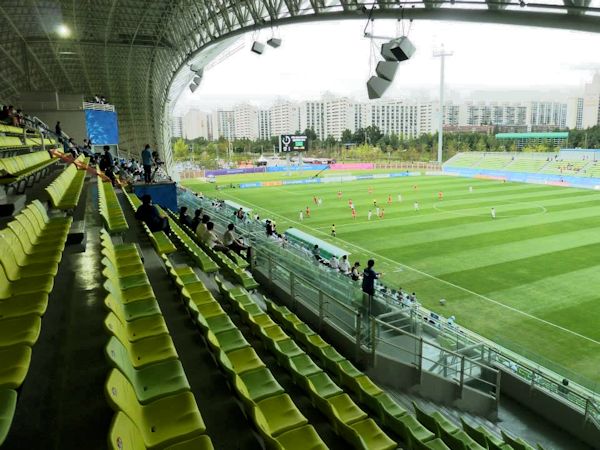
442 55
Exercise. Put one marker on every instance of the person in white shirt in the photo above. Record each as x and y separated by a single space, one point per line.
201 228
416 206
493 213
212 241
369 215
319 201
334 262
399 197
377 211
231 241
344 265
470 188
301 216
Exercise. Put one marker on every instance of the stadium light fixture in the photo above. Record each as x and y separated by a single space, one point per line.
63 30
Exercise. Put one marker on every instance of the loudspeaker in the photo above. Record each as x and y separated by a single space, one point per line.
193 87
197 80
399 49
387 70
258 47
376 87
274 42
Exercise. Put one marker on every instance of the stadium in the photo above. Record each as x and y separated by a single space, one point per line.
427 288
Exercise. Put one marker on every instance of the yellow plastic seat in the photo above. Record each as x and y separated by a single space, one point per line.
302 438
240 361
24 305
15 364
278 414
163 422
20 330
149 350
137 329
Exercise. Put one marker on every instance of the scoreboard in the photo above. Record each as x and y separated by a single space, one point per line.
293 143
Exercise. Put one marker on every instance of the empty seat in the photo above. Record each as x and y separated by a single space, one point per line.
8 404
165 421
20 330
15 364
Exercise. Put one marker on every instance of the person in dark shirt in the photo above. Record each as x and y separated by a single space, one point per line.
148 214
184 217
58 130
197 218
107 164
368 283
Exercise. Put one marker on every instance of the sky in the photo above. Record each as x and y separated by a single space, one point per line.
494 62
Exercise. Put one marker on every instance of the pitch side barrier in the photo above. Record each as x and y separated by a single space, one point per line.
523 177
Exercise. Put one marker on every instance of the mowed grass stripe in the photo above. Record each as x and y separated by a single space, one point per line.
515 310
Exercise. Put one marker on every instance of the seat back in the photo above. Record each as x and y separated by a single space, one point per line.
119 358
476 434
8 259
429 422
117 330
121 396
124 435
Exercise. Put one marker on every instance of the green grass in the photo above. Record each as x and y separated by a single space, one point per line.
529 280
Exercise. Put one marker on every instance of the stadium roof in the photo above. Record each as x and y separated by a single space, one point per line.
550 135
131 50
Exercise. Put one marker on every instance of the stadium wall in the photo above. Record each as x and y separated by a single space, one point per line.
523 177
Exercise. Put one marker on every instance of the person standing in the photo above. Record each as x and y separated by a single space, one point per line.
368 284
107 165
344 265
147 163
493 213
58 130
416 206
369 215
301 216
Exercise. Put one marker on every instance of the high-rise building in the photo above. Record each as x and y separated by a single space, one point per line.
575 113
338 116
264 124
394 117
358 116
545 116
224 124
312 116
197 124
591 103
285 118
245 122
176 127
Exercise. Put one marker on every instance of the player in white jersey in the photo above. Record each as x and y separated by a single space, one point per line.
416 206
369 215
377 211
399 197
493 213
470 188
301 216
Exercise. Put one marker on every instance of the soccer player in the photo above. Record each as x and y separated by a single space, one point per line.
493 213
339 195
369 215
370 190
377 211
315 199
307 212
399 197
374 203
470 188
353 214
301 216
333 230
440 195
350 202
319 201
416 206
415 187
382 212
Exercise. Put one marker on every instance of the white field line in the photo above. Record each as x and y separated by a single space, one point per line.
425 274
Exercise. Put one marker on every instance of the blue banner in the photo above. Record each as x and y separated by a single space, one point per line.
102 127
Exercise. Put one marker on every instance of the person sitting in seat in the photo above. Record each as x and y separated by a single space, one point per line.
232 242
201 228
213 242
197 219
184 217
148 214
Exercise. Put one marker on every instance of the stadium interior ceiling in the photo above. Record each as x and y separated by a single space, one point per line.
137 52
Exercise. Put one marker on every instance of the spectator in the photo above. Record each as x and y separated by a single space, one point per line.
73 148
232 242
148 214
269 228
213 242
316 252
354 273
334 262
58 130
344 265
107 165
147 163
201 228
197 218
184 218
368 284
4 114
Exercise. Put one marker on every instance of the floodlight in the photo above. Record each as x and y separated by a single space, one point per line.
63 30
376 87
274 42
258 47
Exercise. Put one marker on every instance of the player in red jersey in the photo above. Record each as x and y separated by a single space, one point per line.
370 190
389 199
339 195
315 199
382 212
440 195
353 213
307 212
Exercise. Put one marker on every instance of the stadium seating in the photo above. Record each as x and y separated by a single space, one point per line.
8 143
466 159
65 190
24 167
110 208
147 388
8 404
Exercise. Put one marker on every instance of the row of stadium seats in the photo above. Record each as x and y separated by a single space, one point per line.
65 190
110 208
32 246
526 165
147 388
267 405
22 167
347 419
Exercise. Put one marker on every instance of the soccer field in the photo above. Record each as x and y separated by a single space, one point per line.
529 280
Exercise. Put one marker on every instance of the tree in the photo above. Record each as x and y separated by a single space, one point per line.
373 134
346 136
180 149
330 141
310 134
359 136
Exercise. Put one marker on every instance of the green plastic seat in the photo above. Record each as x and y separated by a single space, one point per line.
20 330
460 440
345 372
227 340
341 410
259 321
8 404
198 443
482 436
250 310
151 382
315 343
161 242
128 294
15 364
132 311
19 286
407 426
277 415
240 361
364 387
303 438
163 422
273 333
136 329
302 366
515 443
217 324
257 385
386 406
147 351
26 265
210 309
31 253
366 434
24 305
286 348
320 386
197 298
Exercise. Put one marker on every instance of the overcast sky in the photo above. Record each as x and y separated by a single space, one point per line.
513 62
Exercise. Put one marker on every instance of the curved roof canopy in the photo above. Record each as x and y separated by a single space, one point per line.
131 50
